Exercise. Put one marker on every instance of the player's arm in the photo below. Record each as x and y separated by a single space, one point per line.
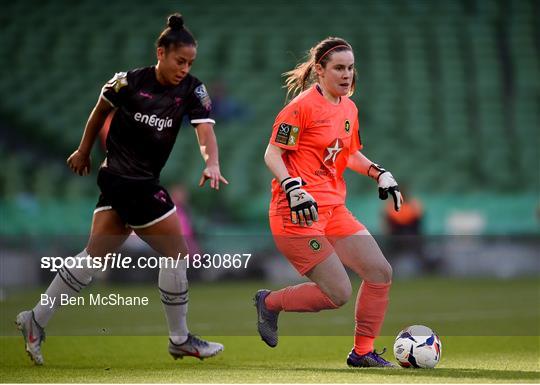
274 161
79 161
304 210
209 151
359 163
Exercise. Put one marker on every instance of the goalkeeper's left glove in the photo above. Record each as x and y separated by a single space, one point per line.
387 184
302 204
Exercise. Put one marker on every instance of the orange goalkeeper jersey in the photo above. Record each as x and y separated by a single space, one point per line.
318 138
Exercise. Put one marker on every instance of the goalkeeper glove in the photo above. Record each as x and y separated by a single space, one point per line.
387 184
303 206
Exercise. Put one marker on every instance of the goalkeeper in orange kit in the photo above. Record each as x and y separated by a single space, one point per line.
315 138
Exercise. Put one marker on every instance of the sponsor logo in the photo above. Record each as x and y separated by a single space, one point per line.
321 121
315 245
161 195
146 95
153 121
332 151
322 171
287 134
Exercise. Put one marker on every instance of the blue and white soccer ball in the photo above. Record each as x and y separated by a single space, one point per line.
417 347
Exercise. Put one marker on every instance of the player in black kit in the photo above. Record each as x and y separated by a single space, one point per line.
149 104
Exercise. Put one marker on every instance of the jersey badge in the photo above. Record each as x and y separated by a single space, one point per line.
118 81
203 96
347 126
315 245
287 134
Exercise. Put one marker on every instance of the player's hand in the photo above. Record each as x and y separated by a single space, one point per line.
212 174
79 163
387 184
304 210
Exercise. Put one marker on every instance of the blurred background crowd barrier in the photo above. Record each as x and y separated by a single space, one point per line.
448 94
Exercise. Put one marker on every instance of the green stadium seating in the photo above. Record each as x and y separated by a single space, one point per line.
451 88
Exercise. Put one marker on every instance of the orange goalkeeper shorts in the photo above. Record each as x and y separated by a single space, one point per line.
306 247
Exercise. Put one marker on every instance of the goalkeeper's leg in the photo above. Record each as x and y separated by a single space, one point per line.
312 255
361 253
330 288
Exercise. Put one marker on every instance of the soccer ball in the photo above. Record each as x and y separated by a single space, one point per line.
417 347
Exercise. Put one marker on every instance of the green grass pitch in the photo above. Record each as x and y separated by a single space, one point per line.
489 330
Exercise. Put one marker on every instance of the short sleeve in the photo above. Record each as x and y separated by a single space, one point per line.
115 90
287 127
200 106
356 141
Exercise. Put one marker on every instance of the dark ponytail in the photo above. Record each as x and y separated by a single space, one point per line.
175 34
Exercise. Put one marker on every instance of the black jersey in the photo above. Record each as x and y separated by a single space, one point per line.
147 120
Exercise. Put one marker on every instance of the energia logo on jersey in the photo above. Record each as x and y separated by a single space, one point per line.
153 121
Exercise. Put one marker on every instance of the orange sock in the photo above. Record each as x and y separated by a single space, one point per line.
363 344
306 297
371 305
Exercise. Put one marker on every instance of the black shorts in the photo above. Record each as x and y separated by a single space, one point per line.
139 203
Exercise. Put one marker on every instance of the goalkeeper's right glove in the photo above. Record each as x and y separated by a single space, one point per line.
303 206
387 184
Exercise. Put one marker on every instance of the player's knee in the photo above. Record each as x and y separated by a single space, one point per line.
380 273
341 294
385 272
174 251
182 248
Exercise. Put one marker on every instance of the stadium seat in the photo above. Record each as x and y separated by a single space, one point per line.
451 87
